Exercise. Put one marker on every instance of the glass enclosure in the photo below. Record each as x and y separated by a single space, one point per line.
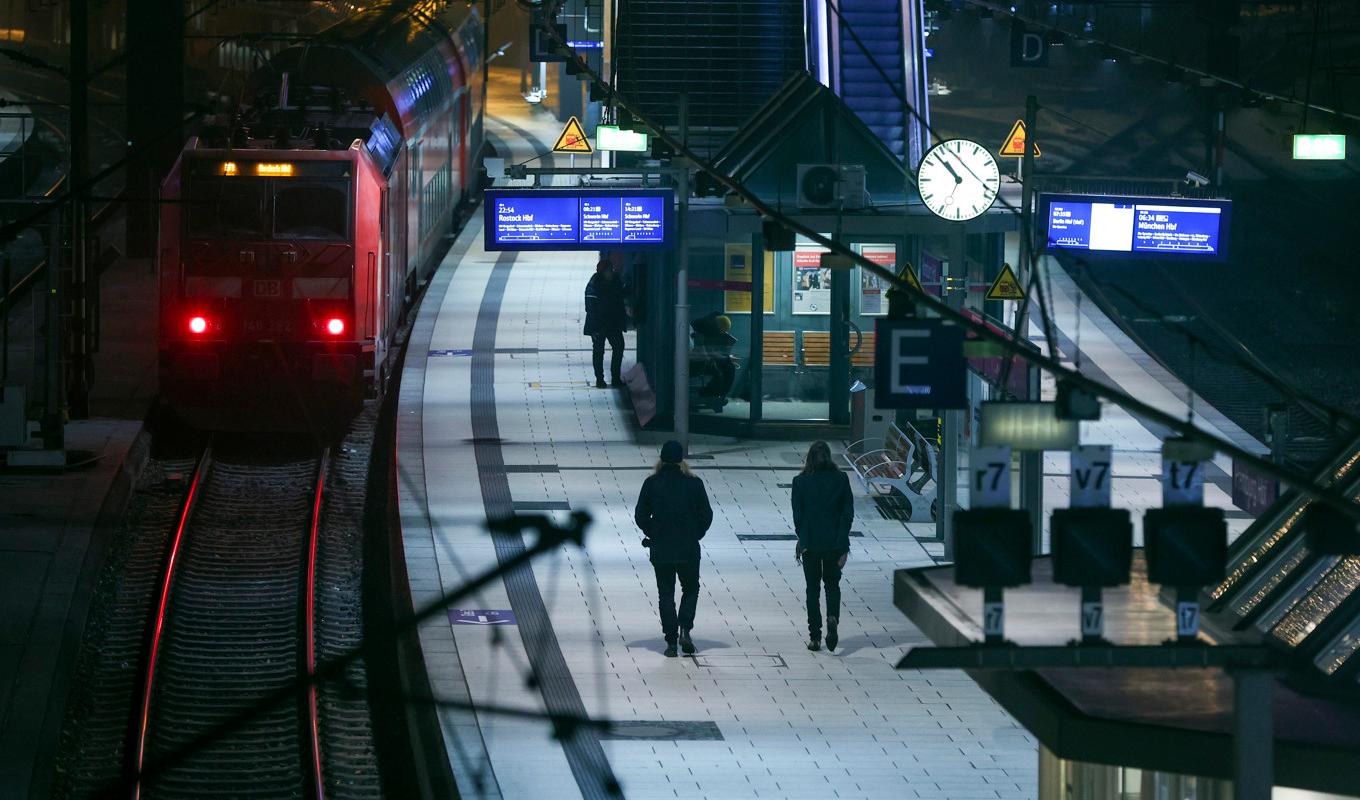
813 340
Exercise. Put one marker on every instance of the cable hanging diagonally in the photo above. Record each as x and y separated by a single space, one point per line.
1050 364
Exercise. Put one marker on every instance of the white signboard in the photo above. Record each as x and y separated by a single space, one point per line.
1091 468
989 484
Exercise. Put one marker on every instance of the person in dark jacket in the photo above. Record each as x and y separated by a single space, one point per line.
606 317
823 509
674 514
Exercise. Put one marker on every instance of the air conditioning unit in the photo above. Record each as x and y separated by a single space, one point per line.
831 186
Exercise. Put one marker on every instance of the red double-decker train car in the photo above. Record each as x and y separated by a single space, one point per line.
293 240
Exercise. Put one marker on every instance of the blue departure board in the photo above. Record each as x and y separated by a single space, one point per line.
578 219
1136 227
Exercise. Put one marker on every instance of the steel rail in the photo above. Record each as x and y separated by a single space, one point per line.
1048 363
156 623
311 721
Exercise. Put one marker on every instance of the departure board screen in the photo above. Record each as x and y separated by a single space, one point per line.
1137 227
578 219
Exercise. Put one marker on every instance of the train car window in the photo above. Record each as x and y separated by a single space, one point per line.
313 210
227 208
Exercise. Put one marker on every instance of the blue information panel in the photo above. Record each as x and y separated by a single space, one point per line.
1138 227
578 219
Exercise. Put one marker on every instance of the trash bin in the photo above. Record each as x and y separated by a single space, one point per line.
858 414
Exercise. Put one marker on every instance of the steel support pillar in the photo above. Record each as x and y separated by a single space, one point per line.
681 386
1253 735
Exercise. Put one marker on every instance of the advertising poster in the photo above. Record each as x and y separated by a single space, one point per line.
737 258
873 298
811 281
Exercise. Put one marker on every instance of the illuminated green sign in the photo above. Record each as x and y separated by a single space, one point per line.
610 137
1320 146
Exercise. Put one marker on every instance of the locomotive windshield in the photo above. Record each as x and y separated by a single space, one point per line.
314 210
245 207
228 208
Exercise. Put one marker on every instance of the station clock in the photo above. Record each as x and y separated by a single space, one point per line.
958 180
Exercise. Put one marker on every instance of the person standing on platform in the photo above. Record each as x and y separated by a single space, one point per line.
674 514
606 317
823 509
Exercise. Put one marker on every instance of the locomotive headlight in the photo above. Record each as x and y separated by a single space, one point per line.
271 170
197 324
335 326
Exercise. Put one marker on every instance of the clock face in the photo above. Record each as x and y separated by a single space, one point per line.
958 179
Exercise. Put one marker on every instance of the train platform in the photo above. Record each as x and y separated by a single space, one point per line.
54 531
55 526
510 421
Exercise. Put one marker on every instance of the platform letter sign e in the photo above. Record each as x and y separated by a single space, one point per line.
919 363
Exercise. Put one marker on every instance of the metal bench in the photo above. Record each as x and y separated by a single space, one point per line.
906 462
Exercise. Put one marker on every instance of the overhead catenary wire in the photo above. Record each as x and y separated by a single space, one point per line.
1049 363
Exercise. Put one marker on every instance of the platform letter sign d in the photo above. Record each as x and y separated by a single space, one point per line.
1028 48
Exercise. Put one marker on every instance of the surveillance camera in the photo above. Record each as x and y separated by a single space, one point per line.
1196 179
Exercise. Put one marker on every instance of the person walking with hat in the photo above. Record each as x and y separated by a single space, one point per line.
674 514
606 317
823 510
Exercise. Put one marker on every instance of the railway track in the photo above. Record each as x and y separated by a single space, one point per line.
243 575
236 598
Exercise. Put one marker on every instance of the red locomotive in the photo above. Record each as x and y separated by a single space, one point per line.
291 243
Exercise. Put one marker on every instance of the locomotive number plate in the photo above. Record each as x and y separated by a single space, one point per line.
268 326
266 288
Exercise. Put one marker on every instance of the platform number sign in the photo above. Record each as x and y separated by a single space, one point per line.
1187 618
1092 618
993 619
990 485
1091 468
1182 482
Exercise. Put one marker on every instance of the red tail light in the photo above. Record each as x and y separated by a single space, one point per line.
335 326
198 324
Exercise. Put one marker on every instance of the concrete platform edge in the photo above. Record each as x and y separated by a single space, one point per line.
110 514
415 539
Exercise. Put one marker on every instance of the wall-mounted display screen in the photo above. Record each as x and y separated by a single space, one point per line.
578 219
1139 227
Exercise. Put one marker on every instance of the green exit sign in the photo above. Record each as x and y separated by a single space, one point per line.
610 137
1320 146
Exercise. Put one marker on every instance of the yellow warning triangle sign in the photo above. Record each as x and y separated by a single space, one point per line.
573 139
1005 287
1015 141
909 275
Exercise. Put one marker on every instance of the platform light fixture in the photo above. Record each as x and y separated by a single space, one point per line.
228 168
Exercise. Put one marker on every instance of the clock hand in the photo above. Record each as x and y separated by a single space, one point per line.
957 179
